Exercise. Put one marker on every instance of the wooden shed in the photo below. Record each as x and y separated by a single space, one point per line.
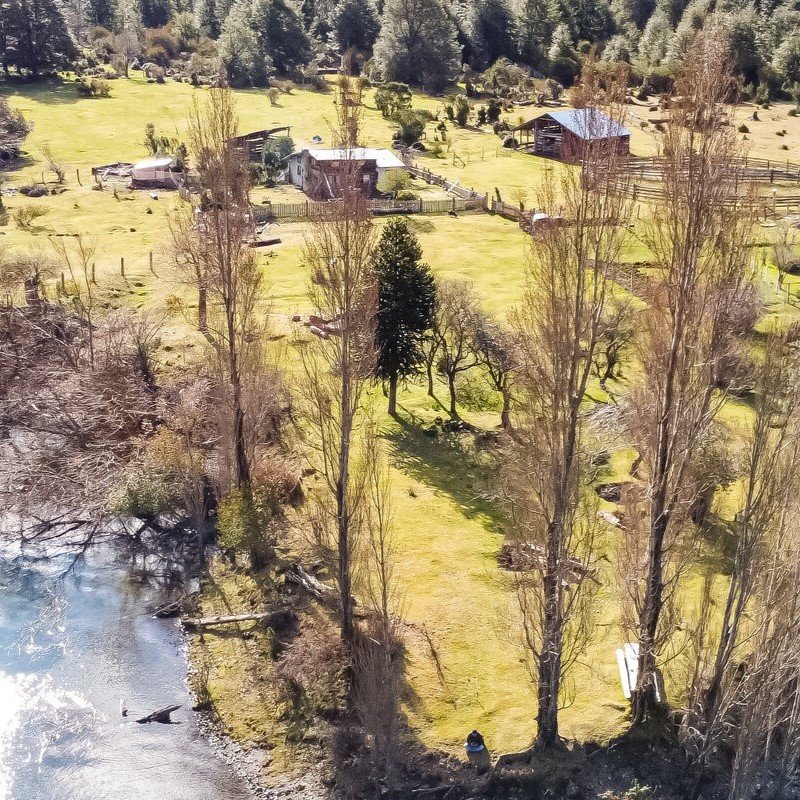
565 134
251 145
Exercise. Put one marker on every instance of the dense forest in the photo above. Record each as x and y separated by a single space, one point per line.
426 43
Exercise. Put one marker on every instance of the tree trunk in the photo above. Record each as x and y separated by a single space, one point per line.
393 395
202 309
505 413
645 704
550 660
451 385
429 372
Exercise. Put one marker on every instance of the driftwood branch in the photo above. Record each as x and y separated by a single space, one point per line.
161 715
314 586
271 619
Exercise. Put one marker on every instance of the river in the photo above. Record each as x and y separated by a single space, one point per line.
72 648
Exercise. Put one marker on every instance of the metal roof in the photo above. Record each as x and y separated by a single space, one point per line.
589 123
586 123
385 159
156 162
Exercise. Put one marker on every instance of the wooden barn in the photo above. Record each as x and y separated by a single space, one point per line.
323 173
565 134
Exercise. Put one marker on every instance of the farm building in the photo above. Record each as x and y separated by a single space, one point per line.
565 134
321 173
251 145
157 172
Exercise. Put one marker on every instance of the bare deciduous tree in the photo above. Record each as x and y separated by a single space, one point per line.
745 647
453 326
496 346
700 240
559 328
231 272
338 252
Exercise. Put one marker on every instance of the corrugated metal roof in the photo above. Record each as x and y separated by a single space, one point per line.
157 162
588 123
385 159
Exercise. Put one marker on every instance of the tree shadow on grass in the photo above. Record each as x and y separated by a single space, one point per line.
450 463
49 90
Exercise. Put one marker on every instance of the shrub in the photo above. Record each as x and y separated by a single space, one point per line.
660 80
273 94
164 39
93 87
411 124
405 194
481 116
493 110
793 112
157 54
461 109
27 215
393 181
247 520
743 128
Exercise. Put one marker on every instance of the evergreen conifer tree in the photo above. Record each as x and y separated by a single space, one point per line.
406 304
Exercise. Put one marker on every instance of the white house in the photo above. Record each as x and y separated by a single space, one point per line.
318 171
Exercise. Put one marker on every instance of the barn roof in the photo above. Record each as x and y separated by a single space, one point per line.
586 123
384 159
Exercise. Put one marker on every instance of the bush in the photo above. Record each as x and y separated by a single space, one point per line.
743 128
493 110
461 109
393 181
660 80
93 87
247 520
411 124
27 215
405 194
158 55
165 40
793 112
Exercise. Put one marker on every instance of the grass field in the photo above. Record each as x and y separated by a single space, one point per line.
465 663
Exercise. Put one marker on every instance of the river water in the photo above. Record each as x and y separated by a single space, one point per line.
72 648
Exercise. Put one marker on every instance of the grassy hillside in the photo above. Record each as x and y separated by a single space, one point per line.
465 664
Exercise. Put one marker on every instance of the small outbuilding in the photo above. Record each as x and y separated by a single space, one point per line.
158 172
251 145
565 134
324 174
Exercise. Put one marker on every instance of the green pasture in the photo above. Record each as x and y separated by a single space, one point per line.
466 667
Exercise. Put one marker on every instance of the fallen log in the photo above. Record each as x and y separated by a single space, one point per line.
312 585
272 619
160 715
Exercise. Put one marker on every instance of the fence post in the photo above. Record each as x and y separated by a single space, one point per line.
63 284
78 176
94 280
122 266
454 204
151 264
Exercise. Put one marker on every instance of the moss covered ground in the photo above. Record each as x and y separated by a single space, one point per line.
465 665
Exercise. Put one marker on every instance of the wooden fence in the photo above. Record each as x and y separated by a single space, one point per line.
310 208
